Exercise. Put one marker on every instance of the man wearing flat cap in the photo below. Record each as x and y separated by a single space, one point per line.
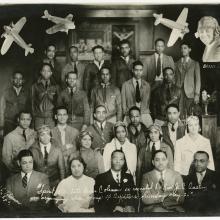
155 143
48 157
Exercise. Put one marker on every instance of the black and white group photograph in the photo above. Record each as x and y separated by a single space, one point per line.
109 110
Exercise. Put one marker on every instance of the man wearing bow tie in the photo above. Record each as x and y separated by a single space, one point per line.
202 186
108 95
114 189
29 187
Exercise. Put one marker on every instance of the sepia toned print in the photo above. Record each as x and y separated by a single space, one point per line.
109 111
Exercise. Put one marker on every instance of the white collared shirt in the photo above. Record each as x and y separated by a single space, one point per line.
28 175
160 77
135 82
62 130
126 59
173 134
185 61
157 145
48 146
114 174
200 176
99 124
17 90
99 65
73 63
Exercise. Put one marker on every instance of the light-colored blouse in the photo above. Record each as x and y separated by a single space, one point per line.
76 193
185 150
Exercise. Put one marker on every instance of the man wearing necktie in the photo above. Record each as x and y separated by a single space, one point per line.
136 92
167 93
202 186
188 79
121 196
91 77
76 102
108 95
28 185
48 157
73 65
154 65
158 187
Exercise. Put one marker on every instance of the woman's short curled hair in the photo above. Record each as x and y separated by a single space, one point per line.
80 159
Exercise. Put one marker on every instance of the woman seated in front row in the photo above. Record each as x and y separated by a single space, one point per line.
75 193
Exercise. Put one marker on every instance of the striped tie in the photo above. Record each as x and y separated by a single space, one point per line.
24 180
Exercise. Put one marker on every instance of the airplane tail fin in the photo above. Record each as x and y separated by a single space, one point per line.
158 17
29 50
46 14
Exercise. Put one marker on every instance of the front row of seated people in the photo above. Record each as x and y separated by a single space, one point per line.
131 169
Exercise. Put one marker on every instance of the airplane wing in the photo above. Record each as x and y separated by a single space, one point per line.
183 16
175 34
7 43
54 29
19 25
69 17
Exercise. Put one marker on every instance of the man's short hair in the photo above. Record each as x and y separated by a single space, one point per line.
98 106
167 68
73 47
46 64
172 105
98 47
71 72
157 152
124 42
17 71
105 67
186 43
137 63
62 107
202 152
49 45
119 151
23 112
24 153
134 108
159 39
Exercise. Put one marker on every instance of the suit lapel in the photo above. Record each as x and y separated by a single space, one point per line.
167 134
132 88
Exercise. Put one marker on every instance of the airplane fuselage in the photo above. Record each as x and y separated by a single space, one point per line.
57 19
17 38
172 24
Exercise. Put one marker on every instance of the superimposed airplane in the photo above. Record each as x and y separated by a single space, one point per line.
11 34
179 27
62 24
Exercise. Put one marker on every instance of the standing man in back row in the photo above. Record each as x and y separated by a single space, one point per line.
122 66
154 65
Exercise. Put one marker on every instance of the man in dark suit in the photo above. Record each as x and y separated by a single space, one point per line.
164 95
173 129
101 129
29 187
202 186
122 66
114 189
155 63
188 79
91 76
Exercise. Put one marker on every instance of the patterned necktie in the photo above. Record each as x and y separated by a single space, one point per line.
158 65
45 155
102 127
153 148
117 179
24 180
24 135
172 128
200 178
75 68
161 181
138 94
